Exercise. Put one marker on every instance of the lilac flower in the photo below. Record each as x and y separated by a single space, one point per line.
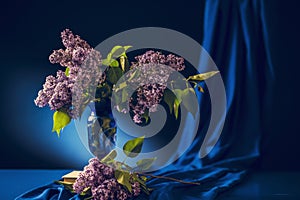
104 186
175 62
61 95
84 74
75 53
154 71
56 92
70 40
88 77
136 189
46 93
57 56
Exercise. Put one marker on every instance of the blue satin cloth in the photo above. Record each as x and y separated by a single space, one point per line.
236 36
49 192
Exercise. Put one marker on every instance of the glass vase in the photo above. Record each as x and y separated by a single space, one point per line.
97 129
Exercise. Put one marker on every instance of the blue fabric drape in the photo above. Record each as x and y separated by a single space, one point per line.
236 36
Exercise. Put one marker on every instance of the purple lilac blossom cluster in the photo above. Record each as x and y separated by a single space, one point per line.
104 186
154 69
57 91
88 78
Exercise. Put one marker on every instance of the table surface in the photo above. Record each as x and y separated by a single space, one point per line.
258 185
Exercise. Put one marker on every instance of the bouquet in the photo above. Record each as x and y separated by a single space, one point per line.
135 87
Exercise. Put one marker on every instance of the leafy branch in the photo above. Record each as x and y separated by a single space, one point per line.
125 174
116 52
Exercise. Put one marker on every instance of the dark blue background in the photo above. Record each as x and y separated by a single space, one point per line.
30 30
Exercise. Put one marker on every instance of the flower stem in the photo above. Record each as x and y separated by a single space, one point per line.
170 178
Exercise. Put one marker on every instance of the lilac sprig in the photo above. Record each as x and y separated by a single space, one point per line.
66 91
75 53
154 73
56 92
104 186
89 76
156 57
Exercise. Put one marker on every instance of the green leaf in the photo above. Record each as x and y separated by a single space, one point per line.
124 63
189 100
133 75
116 51
86 191
141 179
133 147
124 96
127 47
109 157
121 86
145 164
202 77
60 120
109 56
67 71
176 107
169 98
144 178
114 74
146 116
178 93
188 91
114 63
123 178
105 62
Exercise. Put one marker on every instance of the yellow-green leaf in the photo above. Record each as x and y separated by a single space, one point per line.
116 51
127 47
145 164
146 117
114 63
169 98
125 96
189 100
176 107
60 120
133 75
133 147
144 178
178 93
202 77
109 157
109 57
123 62
114 74
85 192
123 178
141 179
67 71
105 62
